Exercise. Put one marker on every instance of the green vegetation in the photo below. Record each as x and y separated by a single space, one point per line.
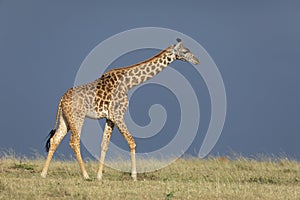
213 178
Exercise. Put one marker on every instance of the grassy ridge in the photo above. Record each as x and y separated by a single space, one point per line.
215 178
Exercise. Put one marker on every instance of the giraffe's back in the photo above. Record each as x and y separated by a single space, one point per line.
94 99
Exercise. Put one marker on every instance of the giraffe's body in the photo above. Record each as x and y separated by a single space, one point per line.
106 97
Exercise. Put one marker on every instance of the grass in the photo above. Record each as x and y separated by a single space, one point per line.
213 178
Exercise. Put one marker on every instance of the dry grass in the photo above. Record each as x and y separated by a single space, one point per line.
214 178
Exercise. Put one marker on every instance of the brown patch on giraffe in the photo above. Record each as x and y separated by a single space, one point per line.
151 74
148 69
127 80
157 70
134 80
139 73
136 70
131 73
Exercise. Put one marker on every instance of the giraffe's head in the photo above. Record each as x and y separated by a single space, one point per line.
184 54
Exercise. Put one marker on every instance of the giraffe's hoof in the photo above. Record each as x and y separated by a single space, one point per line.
99 176
86 176
133 175
43 175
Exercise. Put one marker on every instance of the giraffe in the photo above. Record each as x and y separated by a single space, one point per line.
106 97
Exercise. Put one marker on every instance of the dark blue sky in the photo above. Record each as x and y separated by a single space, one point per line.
255 44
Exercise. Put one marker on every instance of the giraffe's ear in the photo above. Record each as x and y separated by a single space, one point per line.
178 45
178 40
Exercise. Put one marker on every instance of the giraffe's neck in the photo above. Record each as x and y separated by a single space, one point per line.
141 72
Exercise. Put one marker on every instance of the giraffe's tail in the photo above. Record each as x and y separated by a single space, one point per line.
50 135
53 131
57 115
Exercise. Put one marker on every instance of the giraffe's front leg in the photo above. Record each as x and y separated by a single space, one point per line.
133 163
105 141
131 143
120 107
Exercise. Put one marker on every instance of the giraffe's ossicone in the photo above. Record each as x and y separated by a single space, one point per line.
106 97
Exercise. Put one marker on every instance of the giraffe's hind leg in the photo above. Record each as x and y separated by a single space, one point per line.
105 141
75 143
54 142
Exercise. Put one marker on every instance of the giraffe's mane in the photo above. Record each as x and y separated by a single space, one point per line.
147 60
